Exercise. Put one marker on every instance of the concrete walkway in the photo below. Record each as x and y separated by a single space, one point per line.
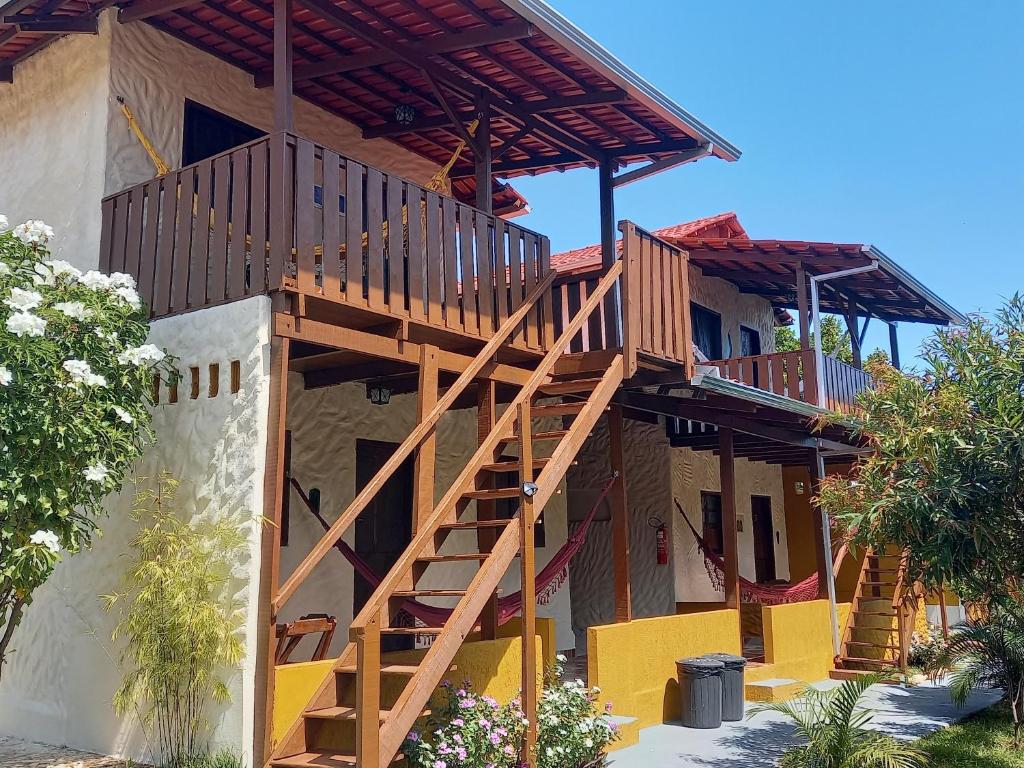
905 713
27 754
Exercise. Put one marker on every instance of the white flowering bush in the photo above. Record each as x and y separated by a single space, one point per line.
572 729
75 388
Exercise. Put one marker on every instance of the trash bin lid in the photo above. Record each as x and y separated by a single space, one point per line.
700 667
730 661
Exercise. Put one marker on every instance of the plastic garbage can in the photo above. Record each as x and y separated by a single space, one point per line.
700 692
732 685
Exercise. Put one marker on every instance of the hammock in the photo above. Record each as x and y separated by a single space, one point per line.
752 592
549 579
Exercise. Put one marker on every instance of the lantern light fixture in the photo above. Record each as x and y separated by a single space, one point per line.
378 392
405 114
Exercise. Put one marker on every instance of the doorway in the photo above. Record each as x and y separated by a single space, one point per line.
384 529
764 539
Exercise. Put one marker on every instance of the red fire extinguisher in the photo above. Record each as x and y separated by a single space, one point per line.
660 538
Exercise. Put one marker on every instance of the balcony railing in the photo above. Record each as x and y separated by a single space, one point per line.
843 384
285 213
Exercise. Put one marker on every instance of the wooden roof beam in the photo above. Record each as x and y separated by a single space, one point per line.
432 46
144 9
86 24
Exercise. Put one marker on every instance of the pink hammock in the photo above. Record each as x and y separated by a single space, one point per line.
549 579
751 592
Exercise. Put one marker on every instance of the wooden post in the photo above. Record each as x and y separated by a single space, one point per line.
620 518
853 329
529 588
368 695
270 564
821 557
482 155
730 542
486 404
606 193
803 311
894 347
423 493
283 55
942 612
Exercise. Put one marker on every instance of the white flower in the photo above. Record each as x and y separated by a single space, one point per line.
4 269
561 657
22 300
128 295
96 473
121 280
97 281
33 232
62 268
43 274
5 376
76 310
143 355
25 324
123 415
3 223
81 373
46 539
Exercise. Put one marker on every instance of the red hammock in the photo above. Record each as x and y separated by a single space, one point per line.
751 592
549 579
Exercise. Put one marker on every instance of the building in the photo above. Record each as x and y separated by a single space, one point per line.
358 344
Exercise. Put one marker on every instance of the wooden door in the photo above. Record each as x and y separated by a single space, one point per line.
384 529
764 538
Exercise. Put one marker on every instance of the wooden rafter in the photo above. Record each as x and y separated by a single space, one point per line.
62 24
145 9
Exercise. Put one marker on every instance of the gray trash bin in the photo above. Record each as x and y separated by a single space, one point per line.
700 692
732 685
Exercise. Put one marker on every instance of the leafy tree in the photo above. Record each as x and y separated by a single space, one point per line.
833 725
945 477
835 341
75 382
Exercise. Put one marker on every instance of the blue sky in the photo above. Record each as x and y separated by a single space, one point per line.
891 123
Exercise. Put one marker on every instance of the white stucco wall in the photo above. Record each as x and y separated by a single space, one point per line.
736 309
155 73
59 682
696 471
53 121
325 424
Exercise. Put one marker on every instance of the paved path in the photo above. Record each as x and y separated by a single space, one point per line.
905 713
25 754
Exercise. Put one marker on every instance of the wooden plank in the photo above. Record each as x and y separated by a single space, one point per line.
467 274
354 233
133 243
687 357
150 230
530 264
199 258
485 273
330 261
375 237
778 379
810 376
793 367
746 370
239 224
486 536
218 258
548 324
528 580
646 308
573 293
557 308
258 200
416 262
106 232
631 318
305 218
657 307
165 245
397 294
368 695
425 469
727 473
437 289
515 267
448 263
279 214
592 339
620 518
183 243
501 276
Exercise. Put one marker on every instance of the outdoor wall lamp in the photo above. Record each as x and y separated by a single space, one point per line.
378 393
405 114
529 489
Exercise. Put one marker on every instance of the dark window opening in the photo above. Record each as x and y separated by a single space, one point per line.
207 132
707 331
711 511
750 344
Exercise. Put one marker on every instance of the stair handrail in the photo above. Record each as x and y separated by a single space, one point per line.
420 432
377 602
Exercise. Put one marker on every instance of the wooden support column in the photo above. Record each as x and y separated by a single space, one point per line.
853 329
730 541
894 347
423 491
606 193
273 503
486 404
821 557
943 618
482 155
527 516
283 120
803 307
620 518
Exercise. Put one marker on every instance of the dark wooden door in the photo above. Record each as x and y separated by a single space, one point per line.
764 538
384 529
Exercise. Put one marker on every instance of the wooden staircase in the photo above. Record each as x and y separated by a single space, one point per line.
881 619
362 713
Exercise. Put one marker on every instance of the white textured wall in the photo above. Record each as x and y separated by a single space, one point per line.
325 424
53 121
59 683
155 73
648 492
696 471
736 309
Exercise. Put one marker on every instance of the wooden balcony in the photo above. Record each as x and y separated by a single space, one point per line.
286 214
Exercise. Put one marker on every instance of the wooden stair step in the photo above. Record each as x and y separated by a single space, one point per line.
462 524
866 644
890 614
881 570
414 593
492 494
511 466
555 434
405 670
457 558
411 630
859 660
315 759
569 387
338 713
879 584
557 409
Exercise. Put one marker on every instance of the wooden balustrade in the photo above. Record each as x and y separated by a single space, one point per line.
284 212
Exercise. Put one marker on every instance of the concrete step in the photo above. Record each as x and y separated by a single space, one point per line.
629 732
773 689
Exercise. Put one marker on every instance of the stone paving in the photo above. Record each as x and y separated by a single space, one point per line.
25 754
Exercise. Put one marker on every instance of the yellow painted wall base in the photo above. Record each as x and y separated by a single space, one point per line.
634 663
798 641
772 689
